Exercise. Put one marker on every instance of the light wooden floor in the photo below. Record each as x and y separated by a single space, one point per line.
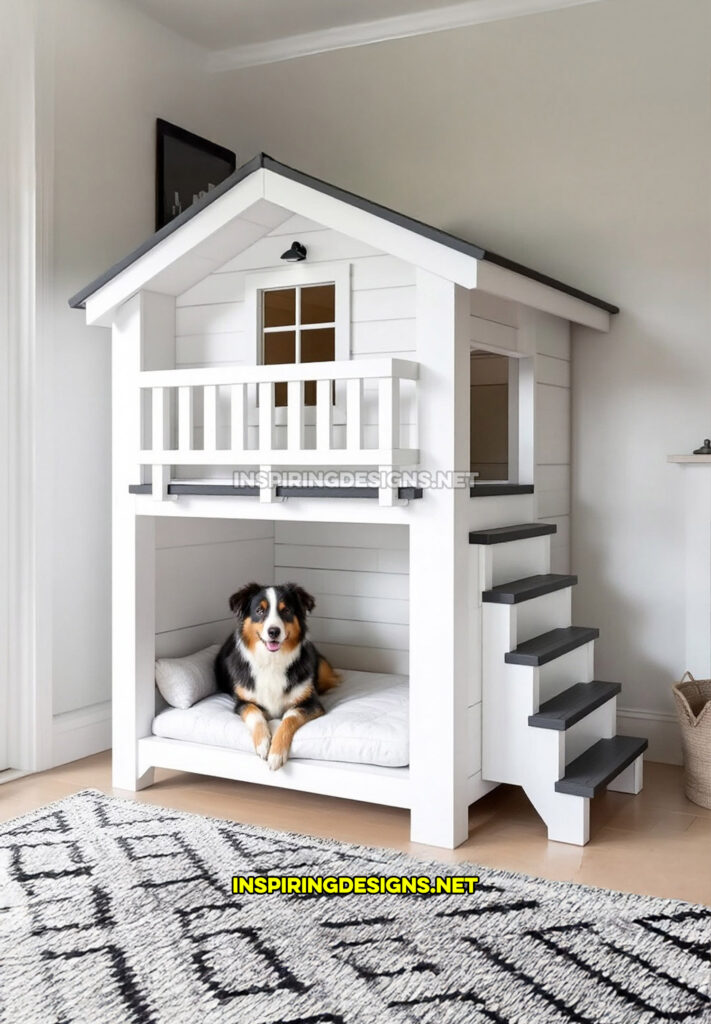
657 843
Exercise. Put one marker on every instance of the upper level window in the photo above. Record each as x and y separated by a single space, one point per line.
298 325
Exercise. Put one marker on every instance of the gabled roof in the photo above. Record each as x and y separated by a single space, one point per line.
262 163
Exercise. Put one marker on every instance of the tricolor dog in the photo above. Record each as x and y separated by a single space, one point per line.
271 668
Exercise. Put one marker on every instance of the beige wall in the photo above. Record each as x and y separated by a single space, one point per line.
108 73
577 142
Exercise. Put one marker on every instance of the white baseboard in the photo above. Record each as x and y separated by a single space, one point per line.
80 733
661 729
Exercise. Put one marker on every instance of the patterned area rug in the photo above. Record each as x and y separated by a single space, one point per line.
113 912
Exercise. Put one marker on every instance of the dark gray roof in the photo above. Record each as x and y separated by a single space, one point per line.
78 301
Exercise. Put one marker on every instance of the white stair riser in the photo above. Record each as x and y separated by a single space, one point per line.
600 724
503 563
548 751
540 614
575 667
501 510
531 618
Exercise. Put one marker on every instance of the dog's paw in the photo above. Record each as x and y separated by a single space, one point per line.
262 748
277 761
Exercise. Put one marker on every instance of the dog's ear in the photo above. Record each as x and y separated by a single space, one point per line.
307 601
241 600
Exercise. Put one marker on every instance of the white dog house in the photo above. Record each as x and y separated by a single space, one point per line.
386 355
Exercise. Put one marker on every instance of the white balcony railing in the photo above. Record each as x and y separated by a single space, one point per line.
242 426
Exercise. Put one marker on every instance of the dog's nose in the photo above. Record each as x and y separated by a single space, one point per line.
273 632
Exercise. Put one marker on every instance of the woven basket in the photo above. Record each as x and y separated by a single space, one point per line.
693 704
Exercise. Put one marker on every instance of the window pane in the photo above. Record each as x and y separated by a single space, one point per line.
317 346
280 347
279 309
318 304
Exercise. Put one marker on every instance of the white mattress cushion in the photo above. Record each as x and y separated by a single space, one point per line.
366 722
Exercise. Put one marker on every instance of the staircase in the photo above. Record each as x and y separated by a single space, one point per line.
548 724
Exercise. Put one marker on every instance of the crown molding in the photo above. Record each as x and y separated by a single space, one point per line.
440 19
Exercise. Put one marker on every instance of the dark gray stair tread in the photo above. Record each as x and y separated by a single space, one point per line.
548 646
568 707
528 588
599 765
492 490
504 534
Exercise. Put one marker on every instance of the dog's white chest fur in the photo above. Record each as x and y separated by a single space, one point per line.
269 677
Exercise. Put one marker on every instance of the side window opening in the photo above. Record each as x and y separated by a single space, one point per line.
493 416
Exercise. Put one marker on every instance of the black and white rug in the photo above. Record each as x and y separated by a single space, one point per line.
113 912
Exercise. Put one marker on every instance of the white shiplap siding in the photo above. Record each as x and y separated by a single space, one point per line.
553 433
359 577
199 564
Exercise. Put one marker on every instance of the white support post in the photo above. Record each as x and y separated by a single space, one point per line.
209 412
267 491
389 413
133 554
354 415
439 564
295 415
161 441
186 419
238 417
324 415
567 817
630 780
388 431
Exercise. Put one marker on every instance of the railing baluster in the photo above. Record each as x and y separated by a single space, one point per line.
354 415
161 440
324 415
266 434
209 414
238 417
266 416
295 416
186 419
388 413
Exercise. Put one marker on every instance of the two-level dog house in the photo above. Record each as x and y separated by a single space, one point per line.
374 345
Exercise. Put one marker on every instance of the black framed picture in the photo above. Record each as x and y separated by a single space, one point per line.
187 167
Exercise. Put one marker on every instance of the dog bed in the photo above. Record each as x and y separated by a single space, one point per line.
366 723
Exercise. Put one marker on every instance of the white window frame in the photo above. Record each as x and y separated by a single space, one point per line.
303 274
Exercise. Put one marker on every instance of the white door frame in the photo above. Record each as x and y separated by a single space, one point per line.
25 185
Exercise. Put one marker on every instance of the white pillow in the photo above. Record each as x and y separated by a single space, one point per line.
184 681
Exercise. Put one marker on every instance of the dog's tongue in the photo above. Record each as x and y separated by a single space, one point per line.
273 645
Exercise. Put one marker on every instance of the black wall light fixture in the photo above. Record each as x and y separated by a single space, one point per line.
295 254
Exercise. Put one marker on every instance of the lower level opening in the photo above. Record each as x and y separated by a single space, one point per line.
358 575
